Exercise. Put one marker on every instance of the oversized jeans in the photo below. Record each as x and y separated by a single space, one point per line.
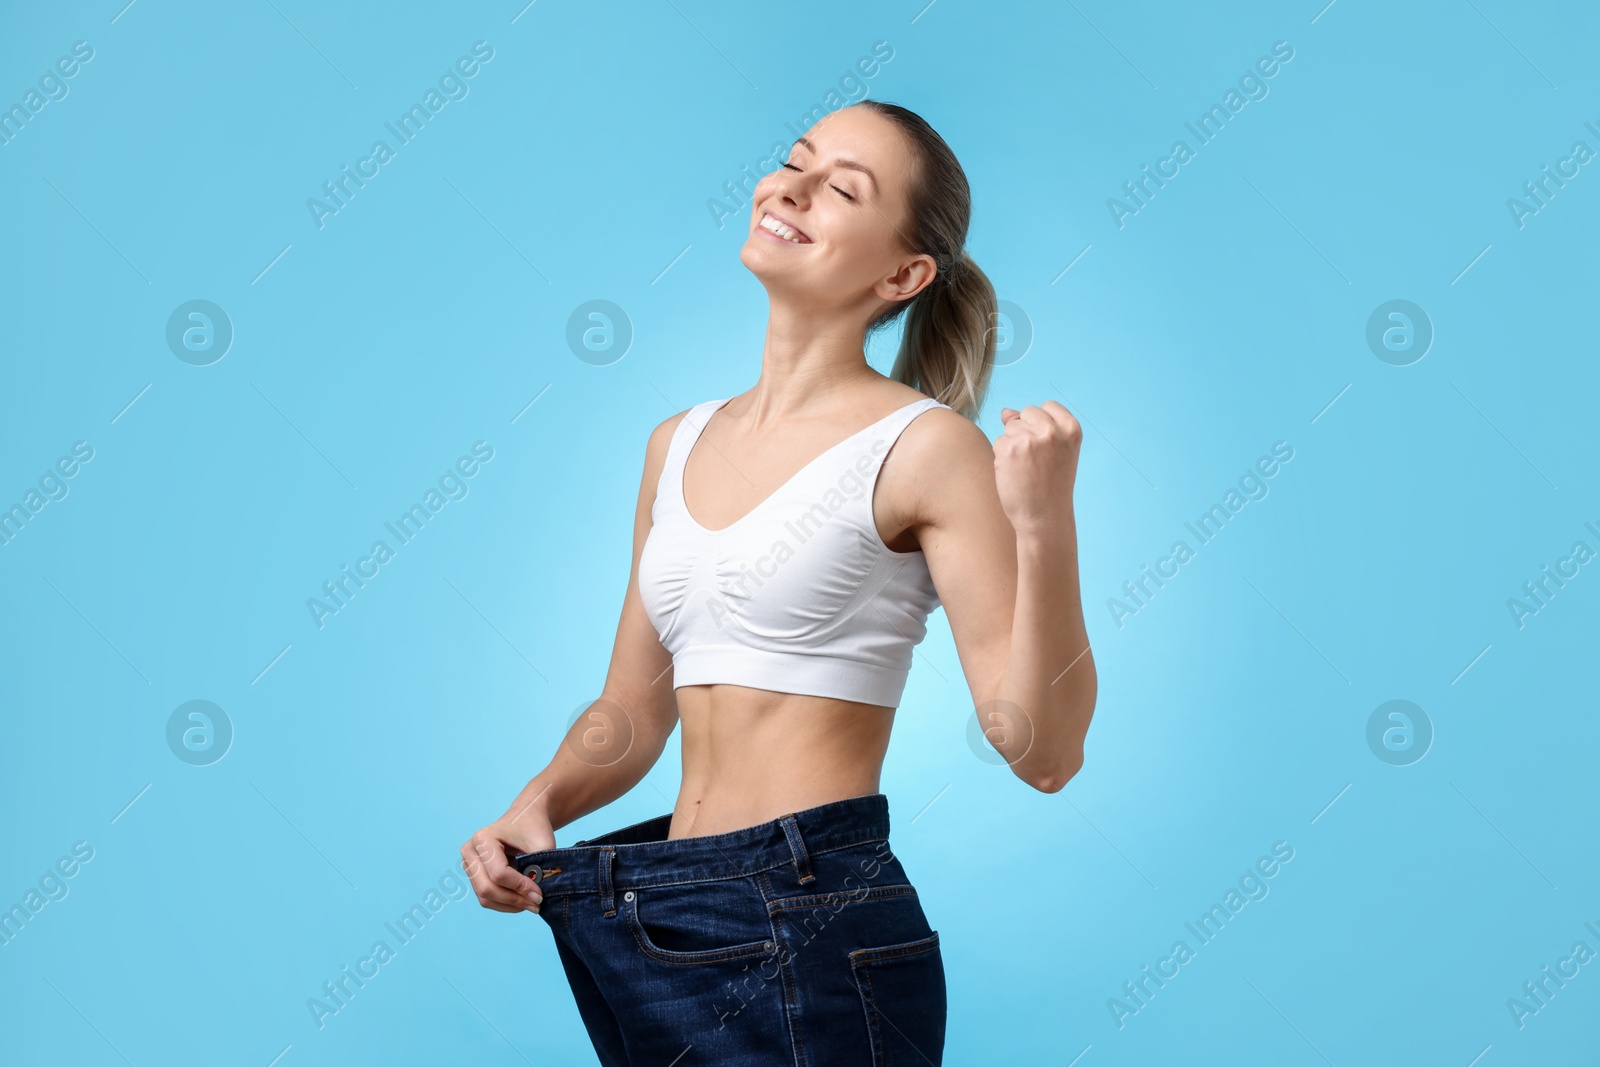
798 941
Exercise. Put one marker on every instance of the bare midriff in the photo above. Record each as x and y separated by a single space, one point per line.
752 755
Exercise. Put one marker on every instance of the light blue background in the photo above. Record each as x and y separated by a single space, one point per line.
1228 314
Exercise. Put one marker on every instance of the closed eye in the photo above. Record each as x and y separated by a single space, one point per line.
835 188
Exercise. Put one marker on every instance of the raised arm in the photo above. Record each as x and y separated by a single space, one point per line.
1007 575
610 747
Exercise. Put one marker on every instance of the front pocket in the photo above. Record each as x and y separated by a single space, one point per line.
841 898
903 994
702 922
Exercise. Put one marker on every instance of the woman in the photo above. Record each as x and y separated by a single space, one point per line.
788 545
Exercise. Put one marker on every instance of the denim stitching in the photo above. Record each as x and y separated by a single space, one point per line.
920 947
860 966
790 1003
797 846
690 958
869 1005
791 999
558 891
852 843
877 892
712 956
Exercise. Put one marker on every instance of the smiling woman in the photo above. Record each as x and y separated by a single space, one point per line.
851 86
790 544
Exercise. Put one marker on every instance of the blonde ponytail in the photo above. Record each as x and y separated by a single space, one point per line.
947 347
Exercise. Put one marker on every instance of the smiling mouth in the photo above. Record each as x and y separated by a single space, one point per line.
782 230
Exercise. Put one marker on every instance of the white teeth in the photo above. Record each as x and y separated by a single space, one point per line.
772 225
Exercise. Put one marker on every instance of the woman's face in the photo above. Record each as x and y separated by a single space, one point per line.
844 191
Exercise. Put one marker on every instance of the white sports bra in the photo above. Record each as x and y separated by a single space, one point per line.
800 595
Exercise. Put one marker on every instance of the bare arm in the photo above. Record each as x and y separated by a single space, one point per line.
615 742
610 747
1010 590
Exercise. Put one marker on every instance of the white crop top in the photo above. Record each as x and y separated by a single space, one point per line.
800 595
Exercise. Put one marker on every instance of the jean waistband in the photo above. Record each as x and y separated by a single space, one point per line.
641 855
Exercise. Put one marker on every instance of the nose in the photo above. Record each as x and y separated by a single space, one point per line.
788 190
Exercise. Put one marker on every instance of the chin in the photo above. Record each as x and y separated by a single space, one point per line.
758 260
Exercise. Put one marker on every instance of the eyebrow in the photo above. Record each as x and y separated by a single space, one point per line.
849 164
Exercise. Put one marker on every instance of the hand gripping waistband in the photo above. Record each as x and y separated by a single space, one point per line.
641 855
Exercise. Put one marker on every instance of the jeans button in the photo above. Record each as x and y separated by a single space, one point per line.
628 896
768 945
534 871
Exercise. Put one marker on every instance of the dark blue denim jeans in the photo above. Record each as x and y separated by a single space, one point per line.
798 941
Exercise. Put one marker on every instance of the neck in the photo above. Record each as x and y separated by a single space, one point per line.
810 360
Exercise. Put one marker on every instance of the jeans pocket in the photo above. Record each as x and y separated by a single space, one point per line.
903 993
699 922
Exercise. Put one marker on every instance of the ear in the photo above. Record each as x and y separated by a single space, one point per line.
914 274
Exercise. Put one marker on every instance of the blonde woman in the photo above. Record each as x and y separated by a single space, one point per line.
789 545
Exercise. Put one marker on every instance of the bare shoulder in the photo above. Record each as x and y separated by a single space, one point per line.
655 455
943 464
661 436
940 439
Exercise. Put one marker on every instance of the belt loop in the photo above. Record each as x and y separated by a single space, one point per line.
607 897
797 847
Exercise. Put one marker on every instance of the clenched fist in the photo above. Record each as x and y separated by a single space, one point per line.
1035 464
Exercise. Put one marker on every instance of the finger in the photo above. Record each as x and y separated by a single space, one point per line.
490 893
1043 421
510 909
481 886
1021 422
1060 413
1007 414
500 872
